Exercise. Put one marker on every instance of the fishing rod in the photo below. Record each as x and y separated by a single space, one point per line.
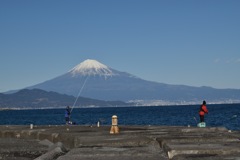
80 91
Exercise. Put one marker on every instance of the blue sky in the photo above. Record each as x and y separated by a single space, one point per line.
189 42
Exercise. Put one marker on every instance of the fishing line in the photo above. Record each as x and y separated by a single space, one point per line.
80 91
195 119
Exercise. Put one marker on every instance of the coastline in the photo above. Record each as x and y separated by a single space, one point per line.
147 105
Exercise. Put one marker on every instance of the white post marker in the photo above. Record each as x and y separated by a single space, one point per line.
98 124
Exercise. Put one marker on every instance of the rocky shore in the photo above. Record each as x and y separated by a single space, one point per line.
133 142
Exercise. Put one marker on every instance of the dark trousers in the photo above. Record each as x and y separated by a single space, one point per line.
201 118
67 119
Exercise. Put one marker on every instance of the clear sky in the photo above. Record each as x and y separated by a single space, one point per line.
189 42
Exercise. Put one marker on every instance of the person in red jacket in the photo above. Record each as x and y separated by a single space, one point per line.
202 111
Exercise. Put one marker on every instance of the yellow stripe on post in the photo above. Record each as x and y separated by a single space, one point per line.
114 129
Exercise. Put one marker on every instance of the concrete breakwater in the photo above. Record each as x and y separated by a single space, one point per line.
133 142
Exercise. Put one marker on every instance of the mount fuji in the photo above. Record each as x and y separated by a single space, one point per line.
95 80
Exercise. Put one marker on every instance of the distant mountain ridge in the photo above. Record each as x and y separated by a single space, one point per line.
37 98
105 83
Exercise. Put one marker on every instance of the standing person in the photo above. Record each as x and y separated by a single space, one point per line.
67 115
202 111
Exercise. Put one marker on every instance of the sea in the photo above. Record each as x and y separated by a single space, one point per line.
220 115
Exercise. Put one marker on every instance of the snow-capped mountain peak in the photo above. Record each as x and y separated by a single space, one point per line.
91 67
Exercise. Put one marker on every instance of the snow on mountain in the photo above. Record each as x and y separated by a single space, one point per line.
91 67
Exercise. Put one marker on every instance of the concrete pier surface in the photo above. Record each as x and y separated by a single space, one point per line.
133 142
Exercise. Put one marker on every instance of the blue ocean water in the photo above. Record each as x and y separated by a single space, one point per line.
224 115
